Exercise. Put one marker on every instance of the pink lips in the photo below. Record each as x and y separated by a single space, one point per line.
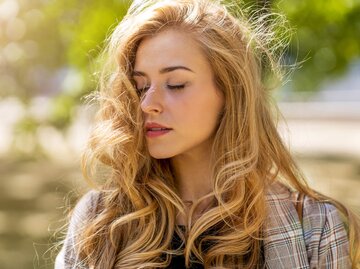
154 129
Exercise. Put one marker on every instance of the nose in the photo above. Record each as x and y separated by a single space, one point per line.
151 101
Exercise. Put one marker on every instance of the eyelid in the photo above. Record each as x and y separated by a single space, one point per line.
171 87
141 89
143 81
140 80
176 86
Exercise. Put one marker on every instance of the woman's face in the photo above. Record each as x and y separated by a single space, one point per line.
179 93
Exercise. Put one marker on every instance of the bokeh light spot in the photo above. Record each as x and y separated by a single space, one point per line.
13 52
15 29
9 9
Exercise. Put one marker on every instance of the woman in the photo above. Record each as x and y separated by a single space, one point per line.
198 176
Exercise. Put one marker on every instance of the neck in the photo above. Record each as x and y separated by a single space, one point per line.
193 176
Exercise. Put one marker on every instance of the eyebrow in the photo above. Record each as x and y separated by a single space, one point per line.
164 70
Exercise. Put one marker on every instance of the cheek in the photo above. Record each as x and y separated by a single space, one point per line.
202 115
181 107
198 109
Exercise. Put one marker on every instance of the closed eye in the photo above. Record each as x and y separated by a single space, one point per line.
170 87
176 87
142 89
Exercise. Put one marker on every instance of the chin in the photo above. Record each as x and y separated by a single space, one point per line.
160 155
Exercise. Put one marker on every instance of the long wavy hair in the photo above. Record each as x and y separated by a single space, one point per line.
134 222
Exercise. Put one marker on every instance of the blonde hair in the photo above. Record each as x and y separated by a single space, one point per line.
135 218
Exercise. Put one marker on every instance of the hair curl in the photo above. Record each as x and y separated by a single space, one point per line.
135 220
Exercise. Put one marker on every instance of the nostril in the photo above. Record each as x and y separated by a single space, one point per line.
151 108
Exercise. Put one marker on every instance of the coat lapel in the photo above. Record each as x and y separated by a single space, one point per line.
284 245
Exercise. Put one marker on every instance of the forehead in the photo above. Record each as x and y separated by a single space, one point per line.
170 46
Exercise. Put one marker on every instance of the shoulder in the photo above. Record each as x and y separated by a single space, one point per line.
319 239
83 210
282 201
86 206
283 243
324 233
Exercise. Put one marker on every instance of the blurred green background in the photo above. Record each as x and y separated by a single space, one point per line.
49 60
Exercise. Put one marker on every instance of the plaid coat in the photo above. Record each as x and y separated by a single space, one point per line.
319 242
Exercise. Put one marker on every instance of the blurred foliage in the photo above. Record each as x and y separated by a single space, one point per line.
327 38
83 29
50 47
84 26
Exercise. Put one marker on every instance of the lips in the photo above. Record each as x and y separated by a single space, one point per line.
155 126
154 129
157 129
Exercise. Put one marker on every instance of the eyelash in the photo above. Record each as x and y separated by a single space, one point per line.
176 87
170 87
